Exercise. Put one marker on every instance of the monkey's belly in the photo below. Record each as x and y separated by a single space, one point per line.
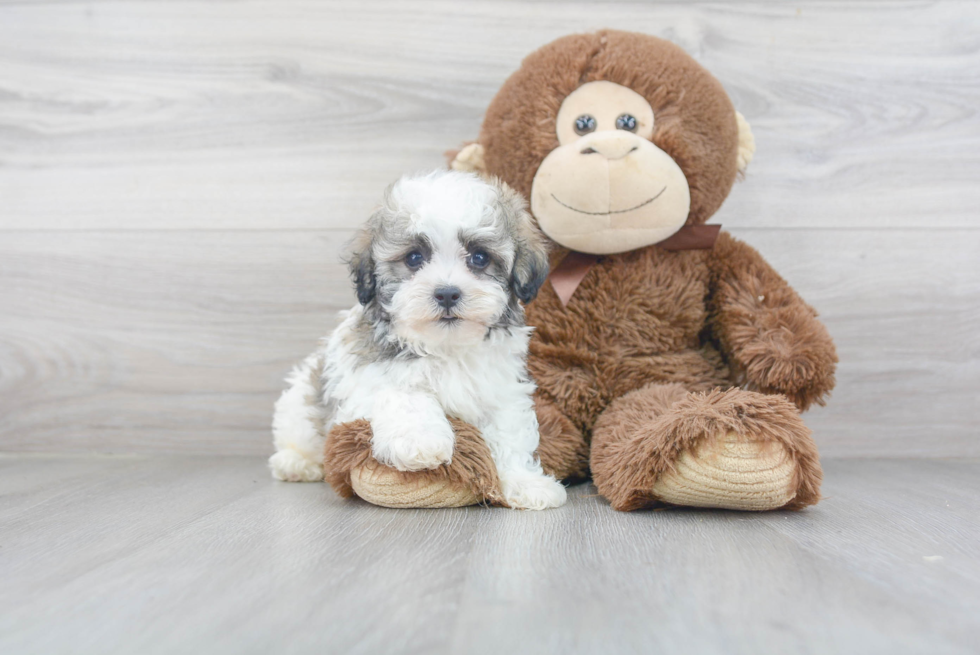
583 382
695 370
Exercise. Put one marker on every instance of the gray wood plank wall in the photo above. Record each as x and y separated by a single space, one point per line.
177 181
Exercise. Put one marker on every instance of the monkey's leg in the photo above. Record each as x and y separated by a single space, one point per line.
470 478
730 449
350 468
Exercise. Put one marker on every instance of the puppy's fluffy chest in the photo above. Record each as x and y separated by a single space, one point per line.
471 382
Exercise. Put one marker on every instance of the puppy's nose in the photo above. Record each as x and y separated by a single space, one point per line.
448 296
611 144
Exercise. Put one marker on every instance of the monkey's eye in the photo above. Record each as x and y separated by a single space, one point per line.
626 122
478 259
414 259
584 124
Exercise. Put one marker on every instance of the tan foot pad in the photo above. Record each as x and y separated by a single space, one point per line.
730 473
386 487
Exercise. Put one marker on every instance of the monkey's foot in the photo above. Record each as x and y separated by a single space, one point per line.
388 487
470 478
730 449
730 472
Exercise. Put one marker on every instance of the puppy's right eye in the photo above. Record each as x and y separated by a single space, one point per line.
414 259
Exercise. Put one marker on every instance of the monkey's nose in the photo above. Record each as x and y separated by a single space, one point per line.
612 144
447 296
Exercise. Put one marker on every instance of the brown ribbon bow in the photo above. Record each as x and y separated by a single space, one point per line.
570 272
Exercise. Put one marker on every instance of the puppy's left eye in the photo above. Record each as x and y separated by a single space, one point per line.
479 259
414 259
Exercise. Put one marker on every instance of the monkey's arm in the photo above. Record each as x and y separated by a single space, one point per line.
771 338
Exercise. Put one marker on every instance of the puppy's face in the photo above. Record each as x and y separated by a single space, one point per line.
446 259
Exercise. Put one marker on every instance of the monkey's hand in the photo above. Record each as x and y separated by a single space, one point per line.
772 339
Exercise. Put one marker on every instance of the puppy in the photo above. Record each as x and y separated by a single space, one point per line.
441 270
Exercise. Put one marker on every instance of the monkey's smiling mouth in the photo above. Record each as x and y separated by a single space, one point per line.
608 213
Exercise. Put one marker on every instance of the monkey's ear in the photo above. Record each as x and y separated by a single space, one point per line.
361 265
469 160
746 143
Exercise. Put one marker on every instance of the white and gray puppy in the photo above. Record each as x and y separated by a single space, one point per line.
441 270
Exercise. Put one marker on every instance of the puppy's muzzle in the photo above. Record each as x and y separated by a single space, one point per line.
447 297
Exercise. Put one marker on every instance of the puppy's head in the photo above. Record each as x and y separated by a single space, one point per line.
446 259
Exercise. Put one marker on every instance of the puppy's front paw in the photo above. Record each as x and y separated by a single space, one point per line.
415 447
533 491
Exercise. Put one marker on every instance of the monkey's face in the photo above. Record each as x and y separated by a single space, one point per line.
618 139
608 188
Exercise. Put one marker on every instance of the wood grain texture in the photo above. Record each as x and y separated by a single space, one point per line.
170 554
175 341
158 340
177 181
265 115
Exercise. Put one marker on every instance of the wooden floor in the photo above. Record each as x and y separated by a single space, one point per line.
207 554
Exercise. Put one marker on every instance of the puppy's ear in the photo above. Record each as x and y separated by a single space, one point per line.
361 265
530 247
530 266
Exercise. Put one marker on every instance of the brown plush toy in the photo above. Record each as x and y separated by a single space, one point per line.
671 359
